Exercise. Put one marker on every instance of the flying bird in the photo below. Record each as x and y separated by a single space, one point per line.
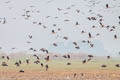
30 36
53 32
66 38
108 57
77 47
115 36
55 44
78 11
77 23
75 43
59 9
89 35
107 6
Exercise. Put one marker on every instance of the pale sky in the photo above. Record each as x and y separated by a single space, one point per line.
14 33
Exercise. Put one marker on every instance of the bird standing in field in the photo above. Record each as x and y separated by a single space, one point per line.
8 58
46 66
27 61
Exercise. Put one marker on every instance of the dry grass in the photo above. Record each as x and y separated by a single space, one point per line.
58 70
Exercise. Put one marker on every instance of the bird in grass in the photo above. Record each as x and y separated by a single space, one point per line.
8 58
46 66
108 57
103 65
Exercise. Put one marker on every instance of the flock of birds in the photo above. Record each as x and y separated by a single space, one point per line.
100 19
47 59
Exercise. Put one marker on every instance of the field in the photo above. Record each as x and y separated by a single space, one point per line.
58 70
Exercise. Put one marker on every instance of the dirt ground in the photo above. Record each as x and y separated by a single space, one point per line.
58 70
60 75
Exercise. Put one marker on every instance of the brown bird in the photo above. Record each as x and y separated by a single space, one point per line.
93 26
68 63
84 61
119 17
55 44
35 55
115 36
76 23
47 58
89 35
59 9
46 51
8 58
113 27
64 56
74 75
17 64
91 45
103 65
68 56
4 21
111 30
77 47
31 49
66 38
27 61
53 32
68 8
97 34
39 23
30 36
43 49
59 29
42 64
101 24
37 62
55 56
89 59
117 65
37 58
83 41
3 57
78 11
28 42
21 71
82 31
107 6
88 41
20 62
66 20
47 16
90 56
46 66
75 43
13 48
108 57
4 64
54 25
89 18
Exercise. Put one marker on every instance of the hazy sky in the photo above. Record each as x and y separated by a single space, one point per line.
14 33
